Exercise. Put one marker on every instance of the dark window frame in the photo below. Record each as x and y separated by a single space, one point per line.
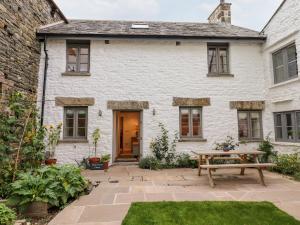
78 45
250 138
217 47
191 136
75 123
295 126
285 65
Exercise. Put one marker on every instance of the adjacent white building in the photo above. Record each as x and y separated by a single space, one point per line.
206 81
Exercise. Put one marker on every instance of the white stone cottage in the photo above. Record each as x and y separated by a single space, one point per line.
206 81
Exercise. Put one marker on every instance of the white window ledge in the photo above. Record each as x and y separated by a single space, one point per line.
285 83
288 144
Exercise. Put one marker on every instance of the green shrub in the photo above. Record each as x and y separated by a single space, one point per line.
162 149
267 147
288 164
7 216
55 185
184 160
149 162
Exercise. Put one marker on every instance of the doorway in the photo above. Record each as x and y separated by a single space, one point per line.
127 136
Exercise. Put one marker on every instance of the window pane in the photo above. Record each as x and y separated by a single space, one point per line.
293 71
69 114
243 125
72 51
212 60
289 126
84 67
279 133
69 132
278 59
278 120
72 59
84 51
71 67
69 123
196 122
184 122
81 132
223 60
255 124
84 59
292 53
279 74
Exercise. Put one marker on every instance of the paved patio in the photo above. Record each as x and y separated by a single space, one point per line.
109 202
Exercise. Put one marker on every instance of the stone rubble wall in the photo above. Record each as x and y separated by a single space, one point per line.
19 46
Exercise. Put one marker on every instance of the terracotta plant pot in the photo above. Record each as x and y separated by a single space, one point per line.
105 165
94 160
37 210
50 162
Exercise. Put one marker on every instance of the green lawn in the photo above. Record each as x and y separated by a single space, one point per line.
207 213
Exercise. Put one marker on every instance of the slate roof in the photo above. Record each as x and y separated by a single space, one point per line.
122 29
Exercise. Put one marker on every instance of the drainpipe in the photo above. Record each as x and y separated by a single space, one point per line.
44 80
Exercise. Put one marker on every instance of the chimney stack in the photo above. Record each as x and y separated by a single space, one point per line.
222 14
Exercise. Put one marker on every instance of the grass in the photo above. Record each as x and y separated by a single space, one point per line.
207 213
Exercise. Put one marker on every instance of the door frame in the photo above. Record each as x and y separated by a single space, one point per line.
115 132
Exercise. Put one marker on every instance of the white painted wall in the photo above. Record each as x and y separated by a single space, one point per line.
281 31
154 71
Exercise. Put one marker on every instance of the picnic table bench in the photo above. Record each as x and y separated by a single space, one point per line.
206 157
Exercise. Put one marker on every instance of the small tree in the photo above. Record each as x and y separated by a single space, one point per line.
160 146
96 137
53 136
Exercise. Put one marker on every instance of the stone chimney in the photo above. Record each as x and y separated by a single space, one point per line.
222 14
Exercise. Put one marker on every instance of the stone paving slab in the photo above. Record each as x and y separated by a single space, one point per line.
109 202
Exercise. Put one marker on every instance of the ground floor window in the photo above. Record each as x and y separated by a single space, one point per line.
75 122
287 126
190 122
250 125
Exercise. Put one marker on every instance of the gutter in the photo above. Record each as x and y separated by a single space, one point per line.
41 35
44 81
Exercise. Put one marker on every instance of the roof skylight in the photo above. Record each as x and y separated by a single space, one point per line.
139 26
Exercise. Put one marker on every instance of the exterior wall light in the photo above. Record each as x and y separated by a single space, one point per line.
154 112
100 113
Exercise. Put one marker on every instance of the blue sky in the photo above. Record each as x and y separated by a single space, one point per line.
247 13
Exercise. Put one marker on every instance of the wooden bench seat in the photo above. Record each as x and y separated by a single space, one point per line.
228 166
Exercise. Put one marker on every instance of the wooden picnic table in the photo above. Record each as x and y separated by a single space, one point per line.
242 157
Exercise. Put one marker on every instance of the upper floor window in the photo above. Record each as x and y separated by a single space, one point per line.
190 122
285 64
218 60
250 125
287 126
78 56
75 122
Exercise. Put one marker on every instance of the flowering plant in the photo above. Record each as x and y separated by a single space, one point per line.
53 135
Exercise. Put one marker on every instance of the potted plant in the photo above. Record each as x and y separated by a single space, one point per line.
105 160
53 135
227 145
96 137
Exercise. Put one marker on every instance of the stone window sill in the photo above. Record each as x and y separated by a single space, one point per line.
71 141
220 75
192 140
250 141
75 74
288 144
285 83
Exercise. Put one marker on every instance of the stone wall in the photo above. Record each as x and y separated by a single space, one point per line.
19 47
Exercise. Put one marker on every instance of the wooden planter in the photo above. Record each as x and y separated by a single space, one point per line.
37 210
50 162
